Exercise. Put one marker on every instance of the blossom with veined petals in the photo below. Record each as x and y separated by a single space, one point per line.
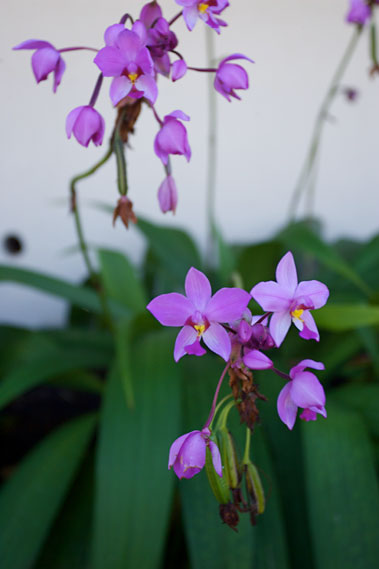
207 11
290 300
200 314
230 76
188 453
45 60
130 63
304 391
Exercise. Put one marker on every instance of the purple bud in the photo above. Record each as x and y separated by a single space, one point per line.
178 69
244 332
168 195
359 12
86 124
187 454
45 60
172 137
149 13
230 76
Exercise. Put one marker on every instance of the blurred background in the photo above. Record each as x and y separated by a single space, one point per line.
261 140
90 396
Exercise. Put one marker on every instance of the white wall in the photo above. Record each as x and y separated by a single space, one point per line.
262 140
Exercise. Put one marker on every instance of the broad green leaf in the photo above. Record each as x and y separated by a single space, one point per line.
79 380
342 491
30 500
78 295
226 257
363 398
133 487
45 359
339 317
211 544
300 237
369 339
123 334
258 262
120 280
68 544
174 248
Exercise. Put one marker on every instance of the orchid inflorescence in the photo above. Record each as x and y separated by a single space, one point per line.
226 326
135 53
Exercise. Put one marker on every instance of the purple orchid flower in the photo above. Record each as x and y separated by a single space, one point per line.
161 40
200 314
188 453
206 11
45 60
304 391
290 301
230 76
168 195
86 124
359 12
172 137
130 63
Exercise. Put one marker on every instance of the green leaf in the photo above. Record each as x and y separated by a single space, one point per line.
226 258
174 248
211 544
363 398
30 500
123 352
342 492
43 359
339 317
120 280
258 262
300 237
78 295
134 489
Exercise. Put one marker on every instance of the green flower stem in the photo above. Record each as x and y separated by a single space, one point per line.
246 454
322 114
118 147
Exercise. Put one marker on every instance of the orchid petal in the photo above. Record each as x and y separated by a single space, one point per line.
190 15
310 330
227 304
195 349
198 289
312 294
307 391
129 44
304 364
191 457
44 61
149 13
178 69
112 32
216 458
144 61
179 115
168 195
71 119
217 340
254 359
186 337
33 44
286 274
175 448
148 86
279 325
110 61
171 309
120 88
58 73
287 409
271 296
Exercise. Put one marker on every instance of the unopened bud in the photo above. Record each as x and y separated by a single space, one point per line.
218 484
229 515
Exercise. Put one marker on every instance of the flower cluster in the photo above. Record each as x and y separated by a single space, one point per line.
134 54
224 324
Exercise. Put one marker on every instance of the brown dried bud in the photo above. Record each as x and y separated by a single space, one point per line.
374 70
244 390
124 210
229 515
128 113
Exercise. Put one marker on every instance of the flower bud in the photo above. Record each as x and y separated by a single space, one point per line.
229 458
254 489
218 484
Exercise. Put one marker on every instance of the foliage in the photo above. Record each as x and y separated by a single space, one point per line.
79 500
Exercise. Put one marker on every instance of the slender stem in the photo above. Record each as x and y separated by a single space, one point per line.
77 49
177 53
265 315
204 69
246 454
122 180
213 408
175 18
221 403
125 18
320 121
157 117
281 374
212 152
96 90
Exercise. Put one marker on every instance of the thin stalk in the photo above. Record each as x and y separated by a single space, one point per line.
79 48
96 90
246 454
212 151
175 18
213 408
203 69
320 121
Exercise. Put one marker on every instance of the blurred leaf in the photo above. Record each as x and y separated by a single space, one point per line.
123 338
211 544
29 501
300 237
174 248
78 295
79 380
363 398
43 359
134 488
369 339
258 262
226 257
120 280
68 545
340 317
342 492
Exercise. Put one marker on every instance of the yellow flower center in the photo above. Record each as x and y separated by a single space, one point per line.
200 329
203 7
297 314
133 77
